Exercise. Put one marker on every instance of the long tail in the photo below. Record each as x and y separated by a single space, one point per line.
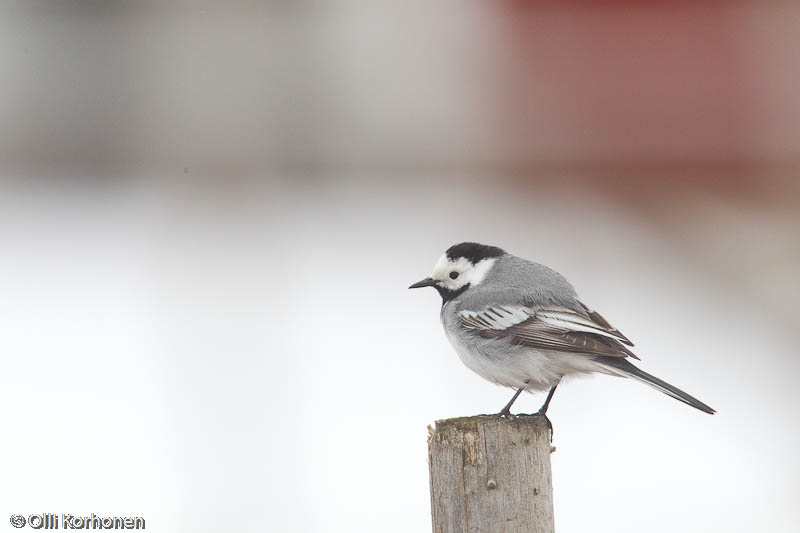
622 367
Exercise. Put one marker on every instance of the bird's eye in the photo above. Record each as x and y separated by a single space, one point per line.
453 274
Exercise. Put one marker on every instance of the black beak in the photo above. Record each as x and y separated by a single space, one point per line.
427 282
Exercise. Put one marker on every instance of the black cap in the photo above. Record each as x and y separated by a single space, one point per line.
473 251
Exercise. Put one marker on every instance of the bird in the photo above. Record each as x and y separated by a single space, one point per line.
520 325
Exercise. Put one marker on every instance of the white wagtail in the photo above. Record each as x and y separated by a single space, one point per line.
520 324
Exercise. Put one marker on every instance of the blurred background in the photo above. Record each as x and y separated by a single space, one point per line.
210 213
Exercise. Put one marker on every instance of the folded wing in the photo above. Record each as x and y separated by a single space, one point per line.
556 329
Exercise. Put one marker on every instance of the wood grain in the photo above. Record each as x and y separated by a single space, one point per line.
491 474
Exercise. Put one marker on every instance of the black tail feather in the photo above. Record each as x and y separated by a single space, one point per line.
621 366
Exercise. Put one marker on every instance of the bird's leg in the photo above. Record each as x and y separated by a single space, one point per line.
506 411
543 410
546 404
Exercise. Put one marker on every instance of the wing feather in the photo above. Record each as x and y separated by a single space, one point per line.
549 329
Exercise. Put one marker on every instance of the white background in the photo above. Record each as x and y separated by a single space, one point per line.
190 355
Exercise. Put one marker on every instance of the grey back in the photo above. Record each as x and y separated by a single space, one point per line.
516 281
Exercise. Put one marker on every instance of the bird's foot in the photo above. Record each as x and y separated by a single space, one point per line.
506 413
547 421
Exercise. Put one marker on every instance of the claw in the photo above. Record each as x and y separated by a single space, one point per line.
547 421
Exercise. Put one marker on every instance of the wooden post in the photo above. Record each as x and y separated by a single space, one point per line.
491 474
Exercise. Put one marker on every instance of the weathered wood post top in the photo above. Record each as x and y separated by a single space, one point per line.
489 473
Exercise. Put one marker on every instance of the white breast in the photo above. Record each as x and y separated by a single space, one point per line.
505 365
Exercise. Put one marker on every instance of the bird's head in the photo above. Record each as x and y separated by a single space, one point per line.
462 266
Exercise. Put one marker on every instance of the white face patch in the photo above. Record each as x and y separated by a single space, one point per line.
465 272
